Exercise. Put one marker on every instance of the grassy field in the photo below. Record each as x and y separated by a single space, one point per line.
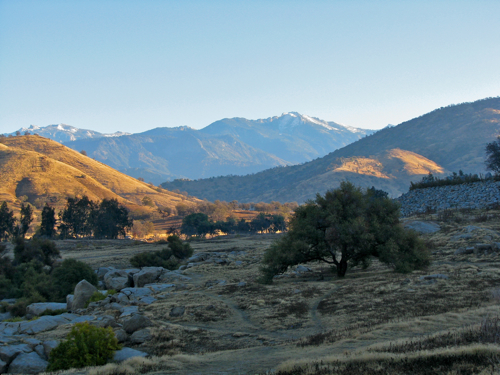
373 321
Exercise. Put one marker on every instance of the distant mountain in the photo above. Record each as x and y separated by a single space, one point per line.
292 137
448 139
63 133
230 146
38 167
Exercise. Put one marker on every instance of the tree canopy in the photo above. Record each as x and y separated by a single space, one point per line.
346 227
493 155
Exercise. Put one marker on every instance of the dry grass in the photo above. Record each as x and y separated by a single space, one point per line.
326 325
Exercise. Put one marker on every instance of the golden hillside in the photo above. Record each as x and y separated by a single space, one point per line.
40 168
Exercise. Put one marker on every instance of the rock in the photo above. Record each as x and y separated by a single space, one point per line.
102 271
301 269
423 227
48 346
172 276
83 292
27 363
141 336
106 321
132 271
177 311
3 367
147 275
5 316
135 293
242 283
69 301
136 323
238 263
126 353
128 311
9 329
157 288
10 352
482 247
147 300
36 309
83 318
40 351
42 324
117 280
183 267
121 335
200 257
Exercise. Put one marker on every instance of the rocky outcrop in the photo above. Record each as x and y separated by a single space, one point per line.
83 292
27 363
36 309
147 275
117 280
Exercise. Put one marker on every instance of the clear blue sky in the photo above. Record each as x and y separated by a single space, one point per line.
136 65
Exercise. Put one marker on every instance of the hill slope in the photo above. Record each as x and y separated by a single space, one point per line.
39 167
447 139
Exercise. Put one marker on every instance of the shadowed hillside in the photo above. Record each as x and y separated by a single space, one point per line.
447 139
37 167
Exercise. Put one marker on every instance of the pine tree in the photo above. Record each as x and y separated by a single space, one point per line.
47 228
7 222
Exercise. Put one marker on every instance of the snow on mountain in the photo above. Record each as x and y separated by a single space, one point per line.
64 132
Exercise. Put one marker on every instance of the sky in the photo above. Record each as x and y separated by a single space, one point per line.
136 65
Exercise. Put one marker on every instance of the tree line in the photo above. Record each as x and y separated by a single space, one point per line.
199 224
81 217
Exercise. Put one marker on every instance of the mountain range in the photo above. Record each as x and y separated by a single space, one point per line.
235 146
448 139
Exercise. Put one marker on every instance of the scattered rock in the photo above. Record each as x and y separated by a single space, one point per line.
423 227
117 280
177 311
141 336
136 323
126 353
147 275
49 345
27 363
121 335
36 309
83 292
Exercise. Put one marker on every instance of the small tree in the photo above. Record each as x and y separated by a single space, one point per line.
111 220
346 227
83 152
26 219
7 222
47 227
493 156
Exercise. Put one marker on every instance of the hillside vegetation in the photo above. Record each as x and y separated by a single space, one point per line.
447 139
38 167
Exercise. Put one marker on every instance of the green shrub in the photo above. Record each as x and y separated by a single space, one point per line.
70 273
168 258
86 345
42 250
95 297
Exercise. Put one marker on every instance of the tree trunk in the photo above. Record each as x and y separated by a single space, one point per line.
342 268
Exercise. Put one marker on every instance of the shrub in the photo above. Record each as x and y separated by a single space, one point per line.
86 345
42 250
70 273
168 258
95 297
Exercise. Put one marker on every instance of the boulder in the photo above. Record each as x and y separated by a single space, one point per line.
42 324
9 329
40 351
3 367
136 323
128 311
117 280
141 336
36 309
301 269
135 293
48 346
121 335
83 292
126 353
10 352
27 363
177 311
5 316
147 275
102 271
106 321
160 287
69 301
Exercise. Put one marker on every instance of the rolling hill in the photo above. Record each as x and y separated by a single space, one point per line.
444 140
38 167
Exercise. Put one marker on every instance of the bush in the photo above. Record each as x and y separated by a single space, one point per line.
168 258
86 345
95 297
70 273
42 250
